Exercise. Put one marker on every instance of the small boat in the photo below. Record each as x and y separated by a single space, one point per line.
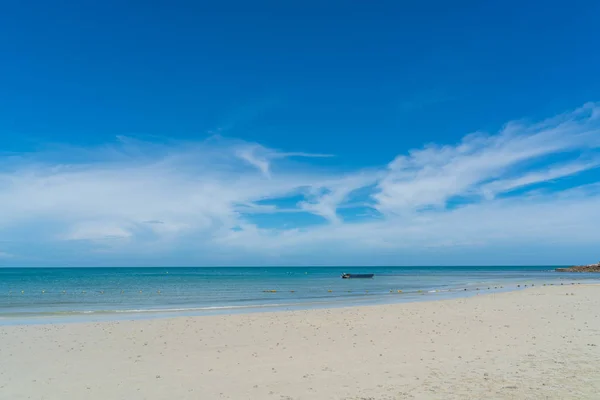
357 276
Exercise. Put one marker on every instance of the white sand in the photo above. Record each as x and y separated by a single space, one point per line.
534 344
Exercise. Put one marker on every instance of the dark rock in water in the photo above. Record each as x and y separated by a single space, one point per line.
581 268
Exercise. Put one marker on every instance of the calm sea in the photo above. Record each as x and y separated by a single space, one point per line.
63 294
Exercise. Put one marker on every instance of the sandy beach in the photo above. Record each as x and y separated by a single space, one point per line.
540 343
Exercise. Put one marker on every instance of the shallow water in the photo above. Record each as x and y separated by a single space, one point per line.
63 294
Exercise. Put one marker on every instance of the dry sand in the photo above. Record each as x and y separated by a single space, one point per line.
535 344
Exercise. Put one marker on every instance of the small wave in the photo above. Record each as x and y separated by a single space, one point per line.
184 309
150 310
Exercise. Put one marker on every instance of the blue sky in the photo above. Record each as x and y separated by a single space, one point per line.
291 133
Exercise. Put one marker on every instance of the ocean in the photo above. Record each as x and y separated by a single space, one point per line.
72 294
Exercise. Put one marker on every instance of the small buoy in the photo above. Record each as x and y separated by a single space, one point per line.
43 291
64 291
158 291
329 291
22 291
140 291
102 292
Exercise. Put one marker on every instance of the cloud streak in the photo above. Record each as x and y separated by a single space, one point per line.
433 175
224 201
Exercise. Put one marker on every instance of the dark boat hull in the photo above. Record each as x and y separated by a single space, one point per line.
357 276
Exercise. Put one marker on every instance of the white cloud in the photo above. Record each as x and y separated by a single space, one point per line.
261 157
552 173
97 230
229 201
325 200
252 156
5 255
433 175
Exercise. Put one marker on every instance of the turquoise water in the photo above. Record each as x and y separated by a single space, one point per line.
50 294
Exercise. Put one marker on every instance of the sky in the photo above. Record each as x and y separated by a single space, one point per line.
188 133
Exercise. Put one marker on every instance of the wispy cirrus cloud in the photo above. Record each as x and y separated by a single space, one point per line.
261 157
434 174
5 255
547 174
224 201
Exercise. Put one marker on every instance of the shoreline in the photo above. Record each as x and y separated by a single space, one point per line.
543 342
46 296
378 299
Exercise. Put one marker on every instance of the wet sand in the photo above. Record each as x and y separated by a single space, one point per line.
540 343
